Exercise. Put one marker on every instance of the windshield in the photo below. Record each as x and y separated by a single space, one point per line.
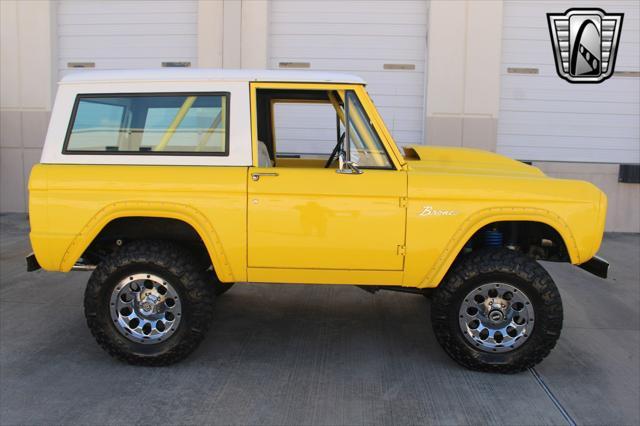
365 147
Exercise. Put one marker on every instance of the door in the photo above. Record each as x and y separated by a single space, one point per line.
106 34
315 218
339 206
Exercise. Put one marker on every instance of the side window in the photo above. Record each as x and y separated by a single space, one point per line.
97 124
366 148
194 124
304 127
310 128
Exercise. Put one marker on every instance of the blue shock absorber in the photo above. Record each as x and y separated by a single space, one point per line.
493 238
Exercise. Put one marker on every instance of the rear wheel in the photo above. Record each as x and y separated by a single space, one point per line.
149 303
497 310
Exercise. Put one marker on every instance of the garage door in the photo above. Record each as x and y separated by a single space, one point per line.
542 117
383 42
126 34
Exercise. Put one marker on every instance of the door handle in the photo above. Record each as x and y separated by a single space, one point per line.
256 176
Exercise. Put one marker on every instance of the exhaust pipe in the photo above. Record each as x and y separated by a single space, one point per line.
82 266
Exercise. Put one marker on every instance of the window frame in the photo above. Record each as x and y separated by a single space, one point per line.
397 159
80 96
360 106
372 127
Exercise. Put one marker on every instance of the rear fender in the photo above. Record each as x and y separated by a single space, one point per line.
177 211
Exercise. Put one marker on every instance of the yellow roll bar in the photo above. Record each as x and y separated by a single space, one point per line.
204 139
171 130
336 105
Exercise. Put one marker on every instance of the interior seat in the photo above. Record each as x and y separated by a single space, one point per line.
264 159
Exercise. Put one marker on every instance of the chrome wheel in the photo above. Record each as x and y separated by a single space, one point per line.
496 317
145 308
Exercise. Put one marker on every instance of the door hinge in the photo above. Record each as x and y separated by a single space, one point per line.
402 250
403 201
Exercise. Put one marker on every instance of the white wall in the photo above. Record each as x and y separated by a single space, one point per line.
26 86
463 73
233 33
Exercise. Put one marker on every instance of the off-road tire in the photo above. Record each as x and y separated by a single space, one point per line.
510 267
218 287
177 266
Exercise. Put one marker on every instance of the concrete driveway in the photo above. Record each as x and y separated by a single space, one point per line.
297 355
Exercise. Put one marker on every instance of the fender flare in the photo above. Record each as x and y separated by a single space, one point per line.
168 210
484 217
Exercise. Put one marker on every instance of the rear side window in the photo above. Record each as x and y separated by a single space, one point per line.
169 124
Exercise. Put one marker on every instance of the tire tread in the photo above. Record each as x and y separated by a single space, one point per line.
177 261
503 261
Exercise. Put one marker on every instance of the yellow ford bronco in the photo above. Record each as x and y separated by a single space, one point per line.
171 185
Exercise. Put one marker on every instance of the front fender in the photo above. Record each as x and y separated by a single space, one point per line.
481 218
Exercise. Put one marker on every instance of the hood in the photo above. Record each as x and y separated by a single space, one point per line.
465 160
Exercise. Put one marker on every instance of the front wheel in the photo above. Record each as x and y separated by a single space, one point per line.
498 311
149 303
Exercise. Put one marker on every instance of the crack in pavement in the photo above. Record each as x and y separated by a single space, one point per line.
570 421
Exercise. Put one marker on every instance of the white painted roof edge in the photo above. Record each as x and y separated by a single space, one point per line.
209 74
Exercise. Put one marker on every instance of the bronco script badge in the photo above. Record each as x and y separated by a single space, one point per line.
585 42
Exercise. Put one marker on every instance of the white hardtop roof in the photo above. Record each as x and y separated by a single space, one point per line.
209 74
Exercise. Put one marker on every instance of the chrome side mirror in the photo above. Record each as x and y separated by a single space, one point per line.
347 167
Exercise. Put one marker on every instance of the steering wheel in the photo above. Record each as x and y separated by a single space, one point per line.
335 151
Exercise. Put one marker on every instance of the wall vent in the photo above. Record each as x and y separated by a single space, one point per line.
81 64
294 65
408 67
626 73
515 70
176 64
